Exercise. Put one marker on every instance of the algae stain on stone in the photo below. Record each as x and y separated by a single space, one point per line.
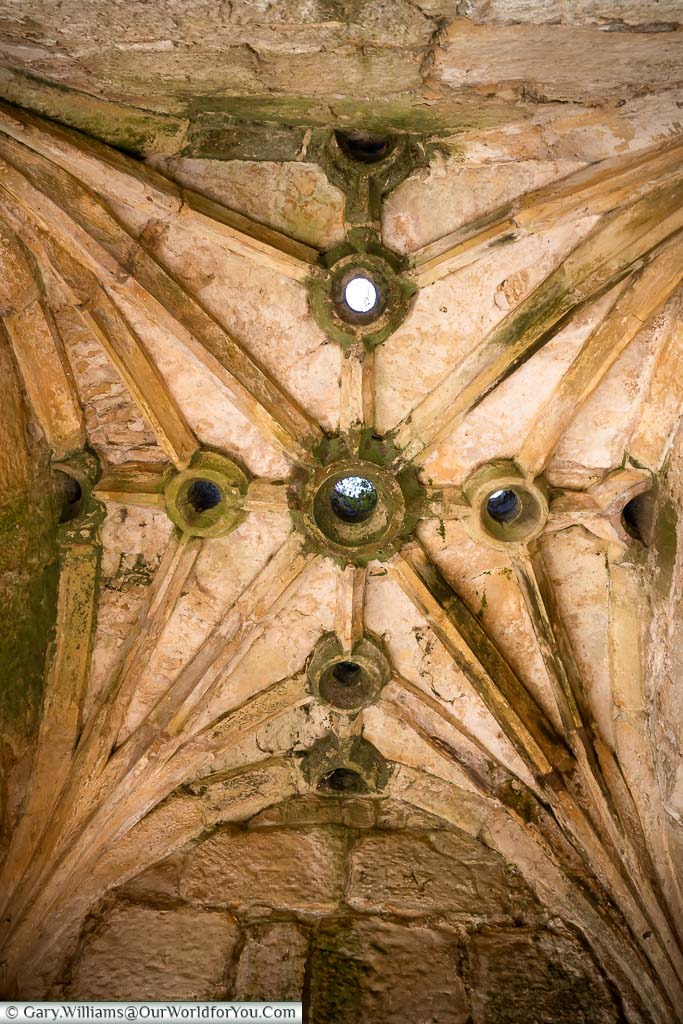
666 544
338 976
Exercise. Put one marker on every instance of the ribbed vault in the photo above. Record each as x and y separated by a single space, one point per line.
520 677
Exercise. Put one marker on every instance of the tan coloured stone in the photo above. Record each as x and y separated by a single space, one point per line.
114 425
451 316
367 971
652 433
158 882
599 261
49 387
489 431
272 963
299 199
561 63
537 976
644 14
576 565
483 576
218 680
518 715
143 380
418 655
293 869
141 953
65 688
427 874
356 813
225 567
204 401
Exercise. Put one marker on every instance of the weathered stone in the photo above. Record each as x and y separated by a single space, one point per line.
314 810
558 62
272 963
363 972
306 811
291 869
416 874
358 813
162 881
295 198
518 976
28 581
395 815
529 690
617 15
143 953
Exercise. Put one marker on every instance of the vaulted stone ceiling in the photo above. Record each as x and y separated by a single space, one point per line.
260 737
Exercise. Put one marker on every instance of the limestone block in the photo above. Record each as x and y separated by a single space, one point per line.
293 870
652 15
394 814
144 953
355 813
114 425
451 193
368 971
437 871
358 814
574 64
292 197
272 963
314 810
519 976
159 881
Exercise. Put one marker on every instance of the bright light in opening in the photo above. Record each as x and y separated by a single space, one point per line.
503 505
360 295
353 499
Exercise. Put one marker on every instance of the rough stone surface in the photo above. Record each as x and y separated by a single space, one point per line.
543 976
272 963
157 82
560 63
292 197
28 578
293 870
420 874
169 837
174 954
372 970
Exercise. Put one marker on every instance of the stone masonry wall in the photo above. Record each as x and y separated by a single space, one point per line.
367 910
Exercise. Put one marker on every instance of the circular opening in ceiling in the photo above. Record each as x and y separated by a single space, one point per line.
69 496
503 505
207 499
347 685
348 680
365 295
360 295
364 147
637 517
203 495
343 780
347 673
353 499
354 508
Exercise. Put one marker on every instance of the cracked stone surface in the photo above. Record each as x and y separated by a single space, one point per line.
497 838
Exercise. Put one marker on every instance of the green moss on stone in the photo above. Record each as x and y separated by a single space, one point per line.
221 137
406 113
338 975
27 610
666 544
128 128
